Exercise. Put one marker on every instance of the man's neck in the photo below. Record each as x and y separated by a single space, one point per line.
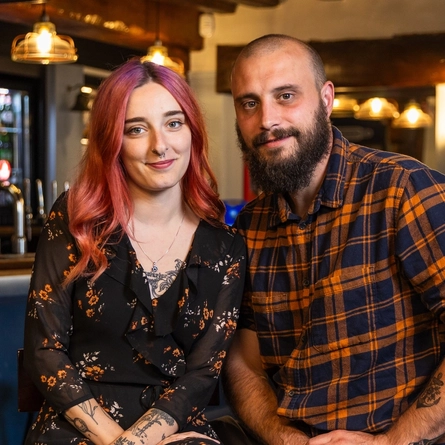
301 200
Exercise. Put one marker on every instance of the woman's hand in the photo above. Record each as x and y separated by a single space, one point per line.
180 436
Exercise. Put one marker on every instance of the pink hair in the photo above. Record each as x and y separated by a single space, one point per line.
99 202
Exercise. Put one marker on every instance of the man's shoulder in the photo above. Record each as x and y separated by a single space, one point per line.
262 206
368 155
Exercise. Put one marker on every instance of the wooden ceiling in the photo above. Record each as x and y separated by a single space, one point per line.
133 24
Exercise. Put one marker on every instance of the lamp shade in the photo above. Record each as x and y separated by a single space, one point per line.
158 53
376 108
43 46
413 117
344 106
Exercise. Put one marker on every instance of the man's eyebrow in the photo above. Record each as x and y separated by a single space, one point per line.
279 89
246 96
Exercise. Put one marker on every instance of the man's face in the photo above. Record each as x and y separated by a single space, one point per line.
294 171
282 118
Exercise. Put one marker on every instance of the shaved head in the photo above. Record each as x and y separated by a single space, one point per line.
271 42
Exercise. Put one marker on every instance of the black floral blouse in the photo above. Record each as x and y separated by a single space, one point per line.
111 341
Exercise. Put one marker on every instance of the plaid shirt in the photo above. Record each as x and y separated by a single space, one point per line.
349 303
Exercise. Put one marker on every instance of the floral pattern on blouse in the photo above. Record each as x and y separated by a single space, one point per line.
111 341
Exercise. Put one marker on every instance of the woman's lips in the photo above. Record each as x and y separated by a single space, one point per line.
161 164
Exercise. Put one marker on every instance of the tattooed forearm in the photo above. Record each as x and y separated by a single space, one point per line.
425 442
431 394
154 416
88 409
80 425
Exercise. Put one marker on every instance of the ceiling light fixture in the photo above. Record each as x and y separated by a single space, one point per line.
413 117
344 106
158 53
376 108
43 45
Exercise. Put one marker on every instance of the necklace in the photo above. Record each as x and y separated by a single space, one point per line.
155 267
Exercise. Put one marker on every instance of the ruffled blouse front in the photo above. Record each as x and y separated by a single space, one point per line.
110 340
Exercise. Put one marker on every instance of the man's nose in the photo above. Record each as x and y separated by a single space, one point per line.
270 116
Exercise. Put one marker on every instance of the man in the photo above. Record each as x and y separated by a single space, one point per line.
341 338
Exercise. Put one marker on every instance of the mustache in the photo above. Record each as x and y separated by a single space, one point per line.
277 134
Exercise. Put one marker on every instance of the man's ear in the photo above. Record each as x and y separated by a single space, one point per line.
327 96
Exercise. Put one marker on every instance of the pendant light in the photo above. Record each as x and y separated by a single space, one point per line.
158 53
376 108
43 45
413 117
344 106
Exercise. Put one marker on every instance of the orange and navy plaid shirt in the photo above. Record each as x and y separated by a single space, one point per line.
349 304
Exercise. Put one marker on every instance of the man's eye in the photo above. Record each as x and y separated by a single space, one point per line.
286 96
250 104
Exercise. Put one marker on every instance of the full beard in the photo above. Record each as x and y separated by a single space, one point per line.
294 172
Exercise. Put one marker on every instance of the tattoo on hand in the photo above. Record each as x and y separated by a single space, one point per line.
123 441
153 416
431 394
425 442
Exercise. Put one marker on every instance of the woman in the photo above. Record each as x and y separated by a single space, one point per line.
136 284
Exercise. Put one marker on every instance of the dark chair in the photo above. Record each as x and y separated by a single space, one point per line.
29 397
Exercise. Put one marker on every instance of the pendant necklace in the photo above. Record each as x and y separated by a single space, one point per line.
155 267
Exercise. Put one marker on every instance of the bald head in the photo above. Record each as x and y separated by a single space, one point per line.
270 43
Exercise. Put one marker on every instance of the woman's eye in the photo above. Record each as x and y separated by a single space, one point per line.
175 124
134 130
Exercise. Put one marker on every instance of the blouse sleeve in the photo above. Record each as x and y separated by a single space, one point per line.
48 315
191 392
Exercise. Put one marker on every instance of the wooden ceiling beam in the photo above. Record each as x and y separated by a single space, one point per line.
219 6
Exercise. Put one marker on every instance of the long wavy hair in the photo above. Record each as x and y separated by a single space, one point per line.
99 202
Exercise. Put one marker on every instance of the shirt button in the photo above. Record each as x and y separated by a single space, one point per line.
291 393
302 225
306 282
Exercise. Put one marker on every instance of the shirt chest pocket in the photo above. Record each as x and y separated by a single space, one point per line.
342 313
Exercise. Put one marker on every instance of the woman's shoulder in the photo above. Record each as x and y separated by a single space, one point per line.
218 234
217 228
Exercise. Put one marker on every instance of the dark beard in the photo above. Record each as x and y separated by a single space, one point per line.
295 172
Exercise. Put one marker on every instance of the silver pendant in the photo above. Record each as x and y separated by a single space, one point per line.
154 268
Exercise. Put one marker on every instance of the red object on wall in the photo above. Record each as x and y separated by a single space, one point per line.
249 194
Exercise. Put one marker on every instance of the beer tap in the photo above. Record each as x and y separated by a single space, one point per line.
28 208
41 215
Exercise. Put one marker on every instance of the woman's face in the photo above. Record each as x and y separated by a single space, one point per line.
157 141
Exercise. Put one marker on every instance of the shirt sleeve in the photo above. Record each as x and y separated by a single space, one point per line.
190 393
420 242
48 315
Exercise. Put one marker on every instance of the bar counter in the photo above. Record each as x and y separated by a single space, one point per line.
15 274
15 264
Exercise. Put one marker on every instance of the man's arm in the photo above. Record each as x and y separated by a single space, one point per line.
251 396
421 424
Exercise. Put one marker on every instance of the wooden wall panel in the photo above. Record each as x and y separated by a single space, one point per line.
404 61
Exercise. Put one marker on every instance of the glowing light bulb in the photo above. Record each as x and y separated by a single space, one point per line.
413 115
44 41
376 105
